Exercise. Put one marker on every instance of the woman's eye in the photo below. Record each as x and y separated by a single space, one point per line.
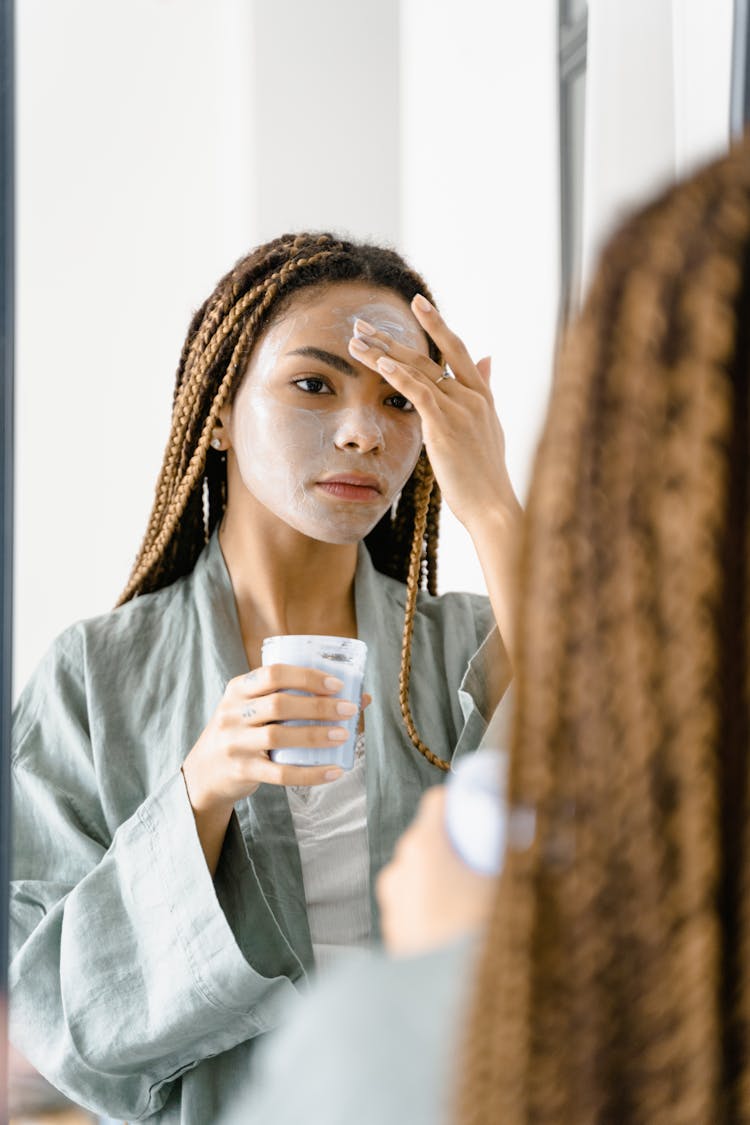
400 403
313 385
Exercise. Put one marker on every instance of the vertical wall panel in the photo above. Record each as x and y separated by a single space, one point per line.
657 102
326 97
480 203
135 183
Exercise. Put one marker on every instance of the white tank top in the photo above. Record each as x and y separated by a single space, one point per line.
330 822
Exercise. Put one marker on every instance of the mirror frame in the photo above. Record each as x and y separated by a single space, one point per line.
572 41
571 61
7 256
739 103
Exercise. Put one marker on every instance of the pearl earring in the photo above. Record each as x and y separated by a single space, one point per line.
216 443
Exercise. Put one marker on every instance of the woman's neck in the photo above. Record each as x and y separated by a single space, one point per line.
284 582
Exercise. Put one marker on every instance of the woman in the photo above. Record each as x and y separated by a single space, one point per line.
173 884
376 1041
614 982
612 986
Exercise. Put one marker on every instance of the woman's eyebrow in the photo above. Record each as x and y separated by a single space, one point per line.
333 360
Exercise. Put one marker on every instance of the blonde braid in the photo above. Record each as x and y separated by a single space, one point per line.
425 482
600 995
191 489
177 480
433 532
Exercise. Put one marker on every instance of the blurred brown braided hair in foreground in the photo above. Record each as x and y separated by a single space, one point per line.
613 985
191 488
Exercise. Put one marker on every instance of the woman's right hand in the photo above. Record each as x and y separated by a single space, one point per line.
232 756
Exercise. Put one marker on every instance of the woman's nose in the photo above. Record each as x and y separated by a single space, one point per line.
359 430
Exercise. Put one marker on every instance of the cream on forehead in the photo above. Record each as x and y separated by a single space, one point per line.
384 317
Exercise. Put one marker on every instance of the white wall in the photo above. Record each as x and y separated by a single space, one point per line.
480 204
325 80
158 141
657 102
132 200
702 37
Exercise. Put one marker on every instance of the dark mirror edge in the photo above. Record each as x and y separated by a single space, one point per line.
7 98
739 102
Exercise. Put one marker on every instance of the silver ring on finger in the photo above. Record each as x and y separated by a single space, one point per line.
445 375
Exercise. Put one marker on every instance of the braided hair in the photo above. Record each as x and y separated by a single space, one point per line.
614 981
191 491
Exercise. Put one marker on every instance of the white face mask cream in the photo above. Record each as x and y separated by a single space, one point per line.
320 440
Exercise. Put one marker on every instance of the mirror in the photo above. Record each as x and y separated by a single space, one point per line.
158 141
156 145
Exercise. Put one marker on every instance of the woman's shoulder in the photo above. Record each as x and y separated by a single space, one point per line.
463 620
375 1016
454 607
142 618
390 984
127 638
456 603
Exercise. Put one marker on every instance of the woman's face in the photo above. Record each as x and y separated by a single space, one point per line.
317 438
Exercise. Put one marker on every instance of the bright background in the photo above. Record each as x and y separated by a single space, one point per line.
158 140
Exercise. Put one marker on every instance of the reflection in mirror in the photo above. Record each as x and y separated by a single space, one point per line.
134 198
293 436
134 201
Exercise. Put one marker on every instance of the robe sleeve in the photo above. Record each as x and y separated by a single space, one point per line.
484 685
125 972
374 1042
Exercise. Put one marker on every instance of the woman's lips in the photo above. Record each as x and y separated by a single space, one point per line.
349 488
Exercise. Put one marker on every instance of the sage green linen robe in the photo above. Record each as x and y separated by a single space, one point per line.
378 1042
138 983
